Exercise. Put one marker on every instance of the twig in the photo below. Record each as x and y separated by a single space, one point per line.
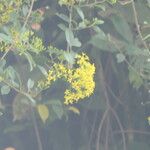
100 129
29 13
40 147
132 131
137 24
4 55
69 47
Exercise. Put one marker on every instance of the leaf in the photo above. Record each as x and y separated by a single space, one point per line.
101 6
80 12
43 70
25 10
64 17
148 118
30 60
120 57
5 38
2 63
43 112
71 40
74 109
135 79
30 84
122 27
57 108
101 42
70 57
5 90
62 27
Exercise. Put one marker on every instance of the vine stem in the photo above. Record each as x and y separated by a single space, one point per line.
29 13
40 147
69 47
137 24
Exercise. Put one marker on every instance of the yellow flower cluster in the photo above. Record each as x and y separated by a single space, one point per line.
4 46
37 44
6 8
80 78
26 41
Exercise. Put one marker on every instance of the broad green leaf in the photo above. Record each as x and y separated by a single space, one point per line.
57 108
43 112
5 90
122 27
102 43
71 40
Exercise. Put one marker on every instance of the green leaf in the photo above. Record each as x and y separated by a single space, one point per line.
112 1
80 12
71 40
64 17
135 79
5 38
70 57
2 63
30 60
30 84
43 70
57 108
62 27
5 90
122 27
101 42
43 112
101 6
25 10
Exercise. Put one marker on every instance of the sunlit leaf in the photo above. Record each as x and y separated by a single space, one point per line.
43 112
74 110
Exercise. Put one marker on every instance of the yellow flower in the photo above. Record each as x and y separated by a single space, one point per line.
80 78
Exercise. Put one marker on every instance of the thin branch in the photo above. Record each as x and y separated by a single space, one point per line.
121 128
100 129
137 24
29 14
40 147
132 131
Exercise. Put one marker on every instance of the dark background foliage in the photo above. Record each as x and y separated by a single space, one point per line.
115 116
